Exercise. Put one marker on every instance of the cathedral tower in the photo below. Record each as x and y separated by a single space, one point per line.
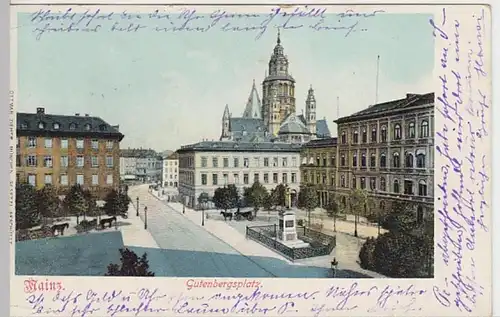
225 124
279 80
311 111
274 120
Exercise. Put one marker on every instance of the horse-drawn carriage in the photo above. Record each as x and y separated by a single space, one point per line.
239 215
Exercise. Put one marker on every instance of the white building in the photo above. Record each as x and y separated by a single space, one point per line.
128 166
170 171
208 165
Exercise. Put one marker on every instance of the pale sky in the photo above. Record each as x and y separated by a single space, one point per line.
169 89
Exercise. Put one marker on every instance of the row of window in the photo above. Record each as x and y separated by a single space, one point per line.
267 162
57 126
48 161
63 179
79 143
408 188
396 160
246 178
396 133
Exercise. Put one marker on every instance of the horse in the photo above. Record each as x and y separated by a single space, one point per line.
107 220
59 228
227 215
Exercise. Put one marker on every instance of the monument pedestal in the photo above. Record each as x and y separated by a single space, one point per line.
288 230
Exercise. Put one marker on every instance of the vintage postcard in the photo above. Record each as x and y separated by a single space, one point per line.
250 160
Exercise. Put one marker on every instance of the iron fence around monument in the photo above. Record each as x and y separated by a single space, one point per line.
320 244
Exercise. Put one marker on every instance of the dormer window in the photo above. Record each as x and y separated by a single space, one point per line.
102 127
24 125
72 126
56 126
41 125
87 126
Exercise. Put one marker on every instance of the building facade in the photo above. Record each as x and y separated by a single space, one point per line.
144 165
274 117
319 168
170 171
208 165
128 168
65 150
388 149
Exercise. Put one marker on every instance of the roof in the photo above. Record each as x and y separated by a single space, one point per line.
232 146
322 130
253 107
139 153
393 106
321 143
249 125
293 125
80 255
50 124
279 77
173 156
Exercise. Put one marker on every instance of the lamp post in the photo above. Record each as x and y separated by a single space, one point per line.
145 217
183 204
203 214
137 213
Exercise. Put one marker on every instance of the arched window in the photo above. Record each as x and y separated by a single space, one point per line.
396 186
382 206
397 131
395 160
420 214
354 185
363 159
374 135
408 159
342 181
88 126
383 161
56 126
354 159
72 126
355 138
383 134
424 129
373 160
422 188
411 130
382 184
364 137
342 160
342 138
41 125
421 160
344 201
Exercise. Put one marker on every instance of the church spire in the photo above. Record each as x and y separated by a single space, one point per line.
279 39
253 108
278 64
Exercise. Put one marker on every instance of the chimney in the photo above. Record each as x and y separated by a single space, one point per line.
40 110
77 114
86 114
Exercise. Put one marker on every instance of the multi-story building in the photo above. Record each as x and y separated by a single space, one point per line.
64 150
128 168
142 164
170 171
387 149
207 165
319 168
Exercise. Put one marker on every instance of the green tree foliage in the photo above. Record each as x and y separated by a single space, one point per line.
255 196
48 202
366 254
333 210
92 209
116 204
131 265
401 219
308 200
226 197
203 198
279 195
75 203
358 198
27 212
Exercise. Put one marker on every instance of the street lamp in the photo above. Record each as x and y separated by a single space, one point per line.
203 214
145 217
137 213
183 204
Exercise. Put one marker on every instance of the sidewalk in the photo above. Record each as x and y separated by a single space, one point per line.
133 232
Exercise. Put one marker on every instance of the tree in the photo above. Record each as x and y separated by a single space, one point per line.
279 195
402 218
48 202
255 196
358 200
75 202
131 265
333 210
92 209
226 197
308 200
27 212
116 204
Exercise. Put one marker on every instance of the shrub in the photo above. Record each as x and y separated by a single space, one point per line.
131 265
366 254
43 232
